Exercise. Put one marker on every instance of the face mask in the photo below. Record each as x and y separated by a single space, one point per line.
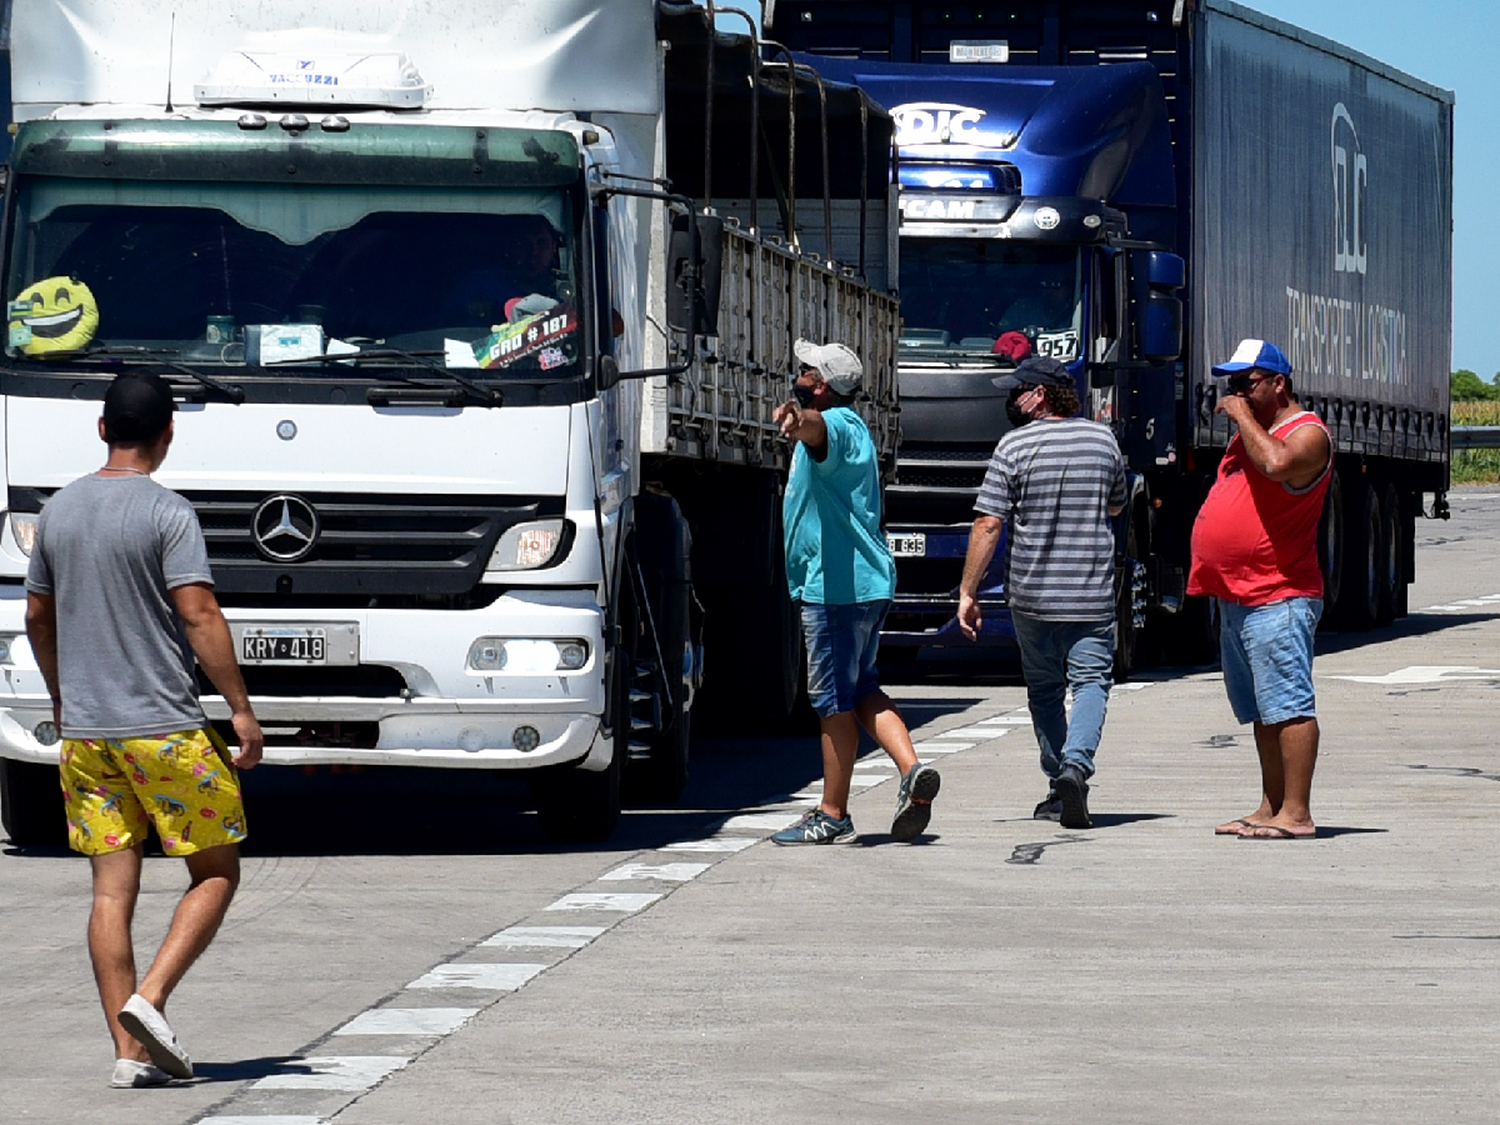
1017 416
803 395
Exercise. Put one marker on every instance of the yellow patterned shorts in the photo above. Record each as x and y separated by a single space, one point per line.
184 783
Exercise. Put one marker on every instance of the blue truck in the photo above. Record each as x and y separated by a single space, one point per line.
1132 188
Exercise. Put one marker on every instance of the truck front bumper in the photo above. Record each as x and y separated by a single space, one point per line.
447 715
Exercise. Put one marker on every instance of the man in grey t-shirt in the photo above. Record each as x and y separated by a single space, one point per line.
1060 478
119 603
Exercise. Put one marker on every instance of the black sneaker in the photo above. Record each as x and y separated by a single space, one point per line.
1073 793
914 802
1050 808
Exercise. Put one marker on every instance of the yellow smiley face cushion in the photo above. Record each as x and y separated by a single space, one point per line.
56 314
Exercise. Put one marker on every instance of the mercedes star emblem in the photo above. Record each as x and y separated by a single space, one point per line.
285 528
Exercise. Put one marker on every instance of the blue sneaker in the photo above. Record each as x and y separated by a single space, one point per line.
914 802
817 827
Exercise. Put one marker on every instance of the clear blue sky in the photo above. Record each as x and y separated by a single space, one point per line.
1454 44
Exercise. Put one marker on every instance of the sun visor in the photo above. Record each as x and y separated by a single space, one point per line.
560 55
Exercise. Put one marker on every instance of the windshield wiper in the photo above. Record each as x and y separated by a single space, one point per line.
488 396
235 395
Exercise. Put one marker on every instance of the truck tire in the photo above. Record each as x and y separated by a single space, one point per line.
1331 545
31 805
578 806
583 806
1392 557
1359 594
1127 636
661 714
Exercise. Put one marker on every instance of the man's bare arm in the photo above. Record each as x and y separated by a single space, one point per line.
208 633
984 537
1298 460
41 632
806 426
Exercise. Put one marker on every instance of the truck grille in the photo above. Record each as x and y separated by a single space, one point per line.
365 545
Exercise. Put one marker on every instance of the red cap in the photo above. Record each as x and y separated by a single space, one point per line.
1012 345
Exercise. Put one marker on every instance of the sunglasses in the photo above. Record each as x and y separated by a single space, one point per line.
1243 384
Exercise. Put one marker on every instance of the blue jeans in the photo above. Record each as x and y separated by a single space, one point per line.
1057 656
842 641
1267 652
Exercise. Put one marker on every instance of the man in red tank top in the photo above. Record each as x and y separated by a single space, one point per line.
1255 551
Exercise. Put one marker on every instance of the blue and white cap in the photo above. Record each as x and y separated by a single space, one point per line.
1256 353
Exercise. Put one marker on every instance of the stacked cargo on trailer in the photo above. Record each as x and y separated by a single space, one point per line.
1091 182
462 412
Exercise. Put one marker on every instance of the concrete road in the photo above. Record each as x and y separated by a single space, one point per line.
421 956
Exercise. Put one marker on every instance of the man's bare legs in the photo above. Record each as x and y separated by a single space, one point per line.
840 737
1288 755
214 874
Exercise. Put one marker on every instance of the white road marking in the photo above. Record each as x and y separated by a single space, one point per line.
407 1021
1006 720
875 764
280 1119
352 1072
490 978
944 747
982 734
712 844
546 937
1426 674
623 904
1459 605
755 822
666 872
1137 686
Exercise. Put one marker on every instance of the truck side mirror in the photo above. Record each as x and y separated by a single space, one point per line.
693 281
606 372
1158 276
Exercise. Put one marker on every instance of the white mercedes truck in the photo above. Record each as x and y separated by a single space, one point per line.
476 316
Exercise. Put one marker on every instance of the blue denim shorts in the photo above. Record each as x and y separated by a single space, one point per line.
1267 653
842 641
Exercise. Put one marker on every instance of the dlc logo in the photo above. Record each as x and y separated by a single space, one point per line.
925 123
1351 176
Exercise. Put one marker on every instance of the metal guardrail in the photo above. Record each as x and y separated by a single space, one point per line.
1474 437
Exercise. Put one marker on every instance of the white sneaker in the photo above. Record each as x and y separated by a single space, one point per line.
133 1075
150 1028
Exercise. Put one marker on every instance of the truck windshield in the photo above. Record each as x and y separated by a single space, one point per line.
962 295
263 274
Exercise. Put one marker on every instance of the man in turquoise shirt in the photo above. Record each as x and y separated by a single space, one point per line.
842 573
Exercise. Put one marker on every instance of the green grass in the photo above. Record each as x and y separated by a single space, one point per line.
1476 466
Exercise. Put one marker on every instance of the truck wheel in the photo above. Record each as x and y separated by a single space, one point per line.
31 805
1360 591
583 806
1127 636
1392 557
659 709
1331 545
661 562
580 806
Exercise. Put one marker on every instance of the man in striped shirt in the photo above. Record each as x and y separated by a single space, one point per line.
1059 479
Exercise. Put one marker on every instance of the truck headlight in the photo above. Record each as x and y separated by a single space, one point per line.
528 546
8 648
525 654
23 527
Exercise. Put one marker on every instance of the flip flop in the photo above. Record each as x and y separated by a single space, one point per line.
1241 821
1276 832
